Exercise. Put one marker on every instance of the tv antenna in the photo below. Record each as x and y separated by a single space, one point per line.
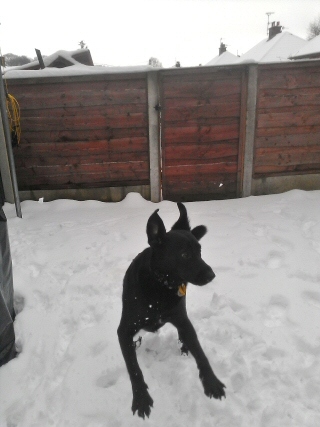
268 13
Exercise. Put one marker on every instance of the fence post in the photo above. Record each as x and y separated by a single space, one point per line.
5 167
250 130
154 137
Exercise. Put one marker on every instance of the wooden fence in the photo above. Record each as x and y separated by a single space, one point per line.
82 132
218 132
288 120
203 118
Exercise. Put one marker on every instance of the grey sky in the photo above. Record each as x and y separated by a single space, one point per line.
127 32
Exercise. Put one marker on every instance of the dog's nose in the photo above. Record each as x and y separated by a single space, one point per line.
210 275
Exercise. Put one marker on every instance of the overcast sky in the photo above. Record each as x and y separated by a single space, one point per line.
129 32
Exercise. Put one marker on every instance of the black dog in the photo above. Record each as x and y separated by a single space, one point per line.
154 291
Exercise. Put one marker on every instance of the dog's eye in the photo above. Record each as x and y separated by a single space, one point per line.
185 255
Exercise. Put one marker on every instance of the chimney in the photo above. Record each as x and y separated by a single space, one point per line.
274 30
222 48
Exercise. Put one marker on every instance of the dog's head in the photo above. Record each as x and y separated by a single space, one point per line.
177 253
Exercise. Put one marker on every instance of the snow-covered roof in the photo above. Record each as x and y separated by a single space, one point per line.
67 63
280 48
60 59
310 49
226 58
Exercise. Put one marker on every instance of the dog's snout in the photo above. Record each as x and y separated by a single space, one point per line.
205 276
210 275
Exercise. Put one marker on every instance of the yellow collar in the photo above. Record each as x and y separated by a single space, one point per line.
182 290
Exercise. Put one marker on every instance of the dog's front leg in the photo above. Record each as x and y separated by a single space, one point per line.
213 387
142 401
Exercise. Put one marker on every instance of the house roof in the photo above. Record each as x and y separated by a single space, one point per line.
280 48
226 58
310 49
60 59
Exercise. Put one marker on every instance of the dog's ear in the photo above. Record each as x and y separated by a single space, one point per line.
156 230
183 221
199 231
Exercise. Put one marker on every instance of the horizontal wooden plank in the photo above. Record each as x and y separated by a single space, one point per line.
280 131
54 159
200 113
213 187
50 96
196 134
82 148
194 162
287 156
201 90
114 110
108 168
276 98
70 175
289 119
79 181
209 185
214 74
274 170
83 122
200 169
295 140
75 86
289 78
199 152
105 76
28 136
224 99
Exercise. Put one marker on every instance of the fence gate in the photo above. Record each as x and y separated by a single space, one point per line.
203 112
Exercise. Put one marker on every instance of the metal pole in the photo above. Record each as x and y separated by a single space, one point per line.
7 137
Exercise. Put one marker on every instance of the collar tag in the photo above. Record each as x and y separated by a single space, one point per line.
182 290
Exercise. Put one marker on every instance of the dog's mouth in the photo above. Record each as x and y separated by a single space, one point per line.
203 278
179 284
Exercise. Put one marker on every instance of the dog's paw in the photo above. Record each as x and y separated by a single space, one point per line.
184 349
213 387
142 403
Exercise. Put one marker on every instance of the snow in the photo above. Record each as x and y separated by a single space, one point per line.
310 48
77 69
226 58
74 70
258 321
280 48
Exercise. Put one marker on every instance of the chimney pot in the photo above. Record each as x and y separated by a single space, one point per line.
274 29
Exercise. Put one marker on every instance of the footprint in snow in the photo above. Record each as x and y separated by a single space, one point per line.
312 297
109 378
275 260
276 311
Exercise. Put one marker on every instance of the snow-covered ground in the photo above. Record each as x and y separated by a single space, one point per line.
258 321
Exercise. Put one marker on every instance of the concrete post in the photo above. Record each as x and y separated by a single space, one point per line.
154 137
250 130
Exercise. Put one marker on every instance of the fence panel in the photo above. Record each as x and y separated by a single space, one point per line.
202 126
82 132
287 139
